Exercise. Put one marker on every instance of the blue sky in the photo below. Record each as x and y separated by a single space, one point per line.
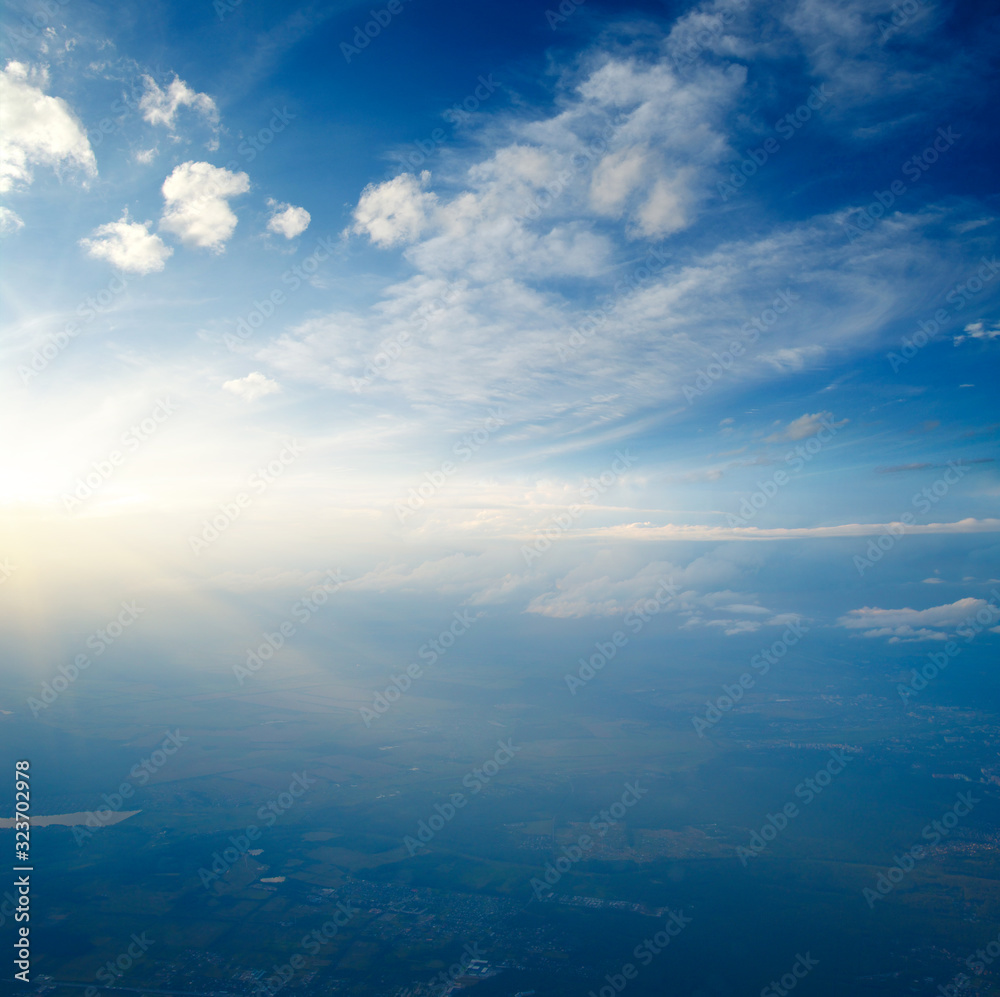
720 253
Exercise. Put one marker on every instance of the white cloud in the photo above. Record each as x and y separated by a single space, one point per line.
396 211
732 627
610 585
160 107
146 156
667 209
790 360
631 141
10 221
919 624
286 219
680 531
454 573
806 426
37 129
615 178
514 241
255 385
484 272
906 634
128 246
197 209
978 330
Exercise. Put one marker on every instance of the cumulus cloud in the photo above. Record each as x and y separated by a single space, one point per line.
10 221
286 219
919 624
128 245
37 129
196 204
396 211
255 385
160 107
631 141
540 218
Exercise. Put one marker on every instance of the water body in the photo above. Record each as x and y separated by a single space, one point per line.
105 817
